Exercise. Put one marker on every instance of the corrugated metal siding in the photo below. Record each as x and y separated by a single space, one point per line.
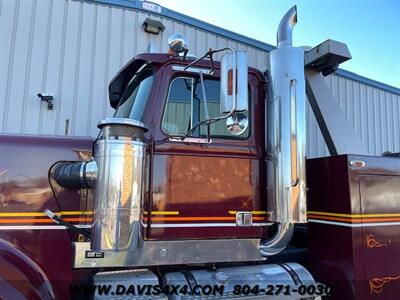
73 49
374 114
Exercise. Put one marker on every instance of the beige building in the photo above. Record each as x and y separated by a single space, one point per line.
72 49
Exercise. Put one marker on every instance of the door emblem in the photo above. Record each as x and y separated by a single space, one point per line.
373 243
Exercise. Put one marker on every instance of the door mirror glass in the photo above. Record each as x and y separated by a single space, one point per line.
234 83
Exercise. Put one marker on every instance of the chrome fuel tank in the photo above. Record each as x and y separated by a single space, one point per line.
206 284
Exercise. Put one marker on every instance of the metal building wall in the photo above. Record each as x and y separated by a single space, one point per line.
373 113
73 48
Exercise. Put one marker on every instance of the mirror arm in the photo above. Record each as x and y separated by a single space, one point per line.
209 120
208 132
196 61
212 65
210 54
204 96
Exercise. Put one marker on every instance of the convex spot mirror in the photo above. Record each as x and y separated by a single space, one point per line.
237 124
234 82
177 43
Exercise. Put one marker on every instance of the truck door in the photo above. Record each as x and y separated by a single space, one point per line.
198 186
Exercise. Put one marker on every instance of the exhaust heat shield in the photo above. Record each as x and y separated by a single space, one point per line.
286 128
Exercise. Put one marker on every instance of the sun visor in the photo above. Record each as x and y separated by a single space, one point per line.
119 82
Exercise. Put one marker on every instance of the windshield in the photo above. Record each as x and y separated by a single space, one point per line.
135 96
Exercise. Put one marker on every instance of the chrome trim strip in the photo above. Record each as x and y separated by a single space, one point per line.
354 225
190 140
176 225
191 69
185 225
58 227
121 121
39 227
152 253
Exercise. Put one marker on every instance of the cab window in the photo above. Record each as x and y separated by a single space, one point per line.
185 107
135 97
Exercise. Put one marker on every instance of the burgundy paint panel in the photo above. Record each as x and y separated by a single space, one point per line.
331 247
359 262
24 187
380 194
204 187
203 182
50 250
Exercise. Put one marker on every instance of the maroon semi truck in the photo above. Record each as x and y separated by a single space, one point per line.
199 186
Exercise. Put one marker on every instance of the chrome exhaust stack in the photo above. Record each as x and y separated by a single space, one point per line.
285 137
285 29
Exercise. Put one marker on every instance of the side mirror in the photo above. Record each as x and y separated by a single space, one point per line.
234 77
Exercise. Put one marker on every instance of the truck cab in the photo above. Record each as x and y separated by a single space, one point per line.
201 182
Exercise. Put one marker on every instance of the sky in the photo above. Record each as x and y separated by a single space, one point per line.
370 28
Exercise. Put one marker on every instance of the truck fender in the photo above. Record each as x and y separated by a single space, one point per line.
20 276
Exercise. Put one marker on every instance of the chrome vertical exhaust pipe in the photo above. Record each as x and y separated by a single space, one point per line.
286 137
285 29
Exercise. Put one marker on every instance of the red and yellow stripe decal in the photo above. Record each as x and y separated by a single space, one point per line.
169 219
174 219
42 214
16 218
354 220
158 219
174 216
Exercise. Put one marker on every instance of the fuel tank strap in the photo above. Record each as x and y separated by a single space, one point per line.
292 273
190 279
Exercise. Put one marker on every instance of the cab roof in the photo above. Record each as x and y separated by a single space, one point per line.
122 78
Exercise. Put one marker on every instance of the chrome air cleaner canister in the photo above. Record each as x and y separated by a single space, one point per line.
120 159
